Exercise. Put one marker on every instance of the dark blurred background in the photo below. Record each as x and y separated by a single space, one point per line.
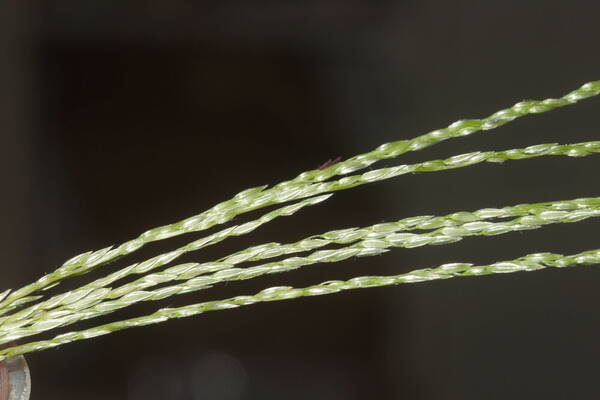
117 117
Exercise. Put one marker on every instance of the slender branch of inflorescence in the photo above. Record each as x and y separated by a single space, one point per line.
531 262
259 197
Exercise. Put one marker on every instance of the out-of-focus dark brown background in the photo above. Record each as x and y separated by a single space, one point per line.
117 117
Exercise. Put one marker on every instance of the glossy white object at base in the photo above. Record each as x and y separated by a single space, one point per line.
19 380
